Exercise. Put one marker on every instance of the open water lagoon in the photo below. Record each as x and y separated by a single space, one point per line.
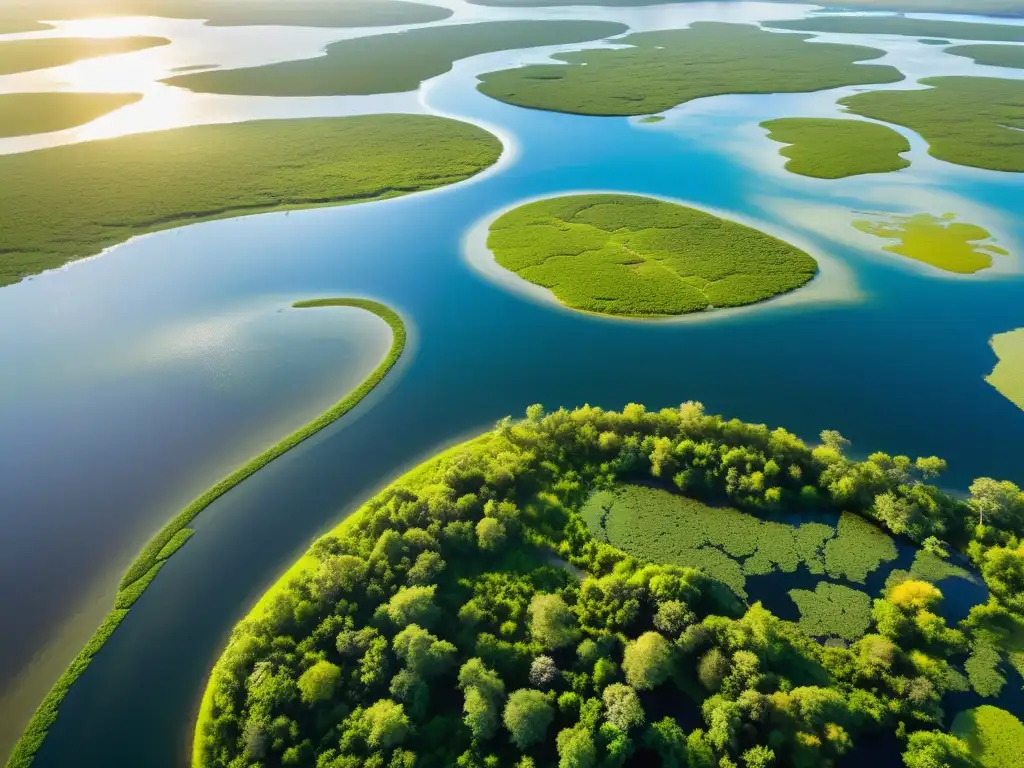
895 360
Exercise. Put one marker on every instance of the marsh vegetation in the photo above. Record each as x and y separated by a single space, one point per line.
45 52
904 25
941 241
826 148
1008 375
23 114
992 55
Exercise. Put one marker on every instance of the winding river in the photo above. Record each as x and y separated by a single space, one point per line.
891 353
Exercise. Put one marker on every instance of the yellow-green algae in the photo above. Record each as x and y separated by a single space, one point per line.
940 241
1008 375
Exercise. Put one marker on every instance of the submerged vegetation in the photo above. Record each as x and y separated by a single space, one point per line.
176 533
992 55
833 149
398 61
940 241
69 202
833 610
994 736
660 70
1008 375
23 114
903 25
431 627
973 121
631 255
45 52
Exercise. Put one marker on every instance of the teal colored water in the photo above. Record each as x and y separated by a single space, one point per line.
898 365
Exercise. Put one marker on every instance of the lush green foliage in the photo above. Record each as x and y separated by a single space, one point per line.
69 202
630 255
982 668
22 114
833 149
393 62
991 55
975 121
663 69
1008 375
453 654
46 52
940 241
994 736
833 610
933 568
934 749
903 25
857 550
175 533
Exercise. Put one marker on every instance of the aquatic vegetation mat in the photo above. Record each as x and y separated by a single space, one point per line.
45 52
1008 375
631 255
973 121
833 610
23 114
940 241
991 55
73 201
995 737
833 149
394 62
660 70
902 25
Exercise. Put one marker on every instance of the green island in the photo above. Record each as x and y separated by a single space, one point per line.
46 52
660 70
940 241
834 149
933 41
229 13
23 114
903 25
1008 375
466 615
973 121
15 25
642 257
833 610
176 533
393 62
994 736
991 55
70 202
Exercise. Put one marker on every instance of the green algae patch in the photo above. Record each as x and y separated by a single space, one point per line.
995 737
70 202
660 70
833 149
940 241
637 256
24 114
394 62
1008 375
902 25
858 548
46 52
991 55
832 610
972 121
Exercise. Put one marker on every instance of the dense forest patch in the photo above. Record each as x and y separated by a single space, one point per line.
45 52
992 55
394 62
833 149
973 121
903 25
70 202
432 628
638 256
23 114
941 241
995 737
660 70
1008 375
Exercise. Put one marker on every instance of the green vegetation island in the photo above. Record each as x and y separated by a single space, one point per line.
994 736
1008 375
991 55
46 52
972 121
393 62
903 25
24 114
74 201
229 13
468 616
940 241
826 148
987 7
933 41
15 26
660 70
176 533
642 257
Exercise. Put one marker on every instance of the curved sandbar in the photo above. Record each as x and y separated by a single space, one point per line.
74 201
174 534
394 62
826 148
991 55
46 52
23 114
660 70
1008 375
636 256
